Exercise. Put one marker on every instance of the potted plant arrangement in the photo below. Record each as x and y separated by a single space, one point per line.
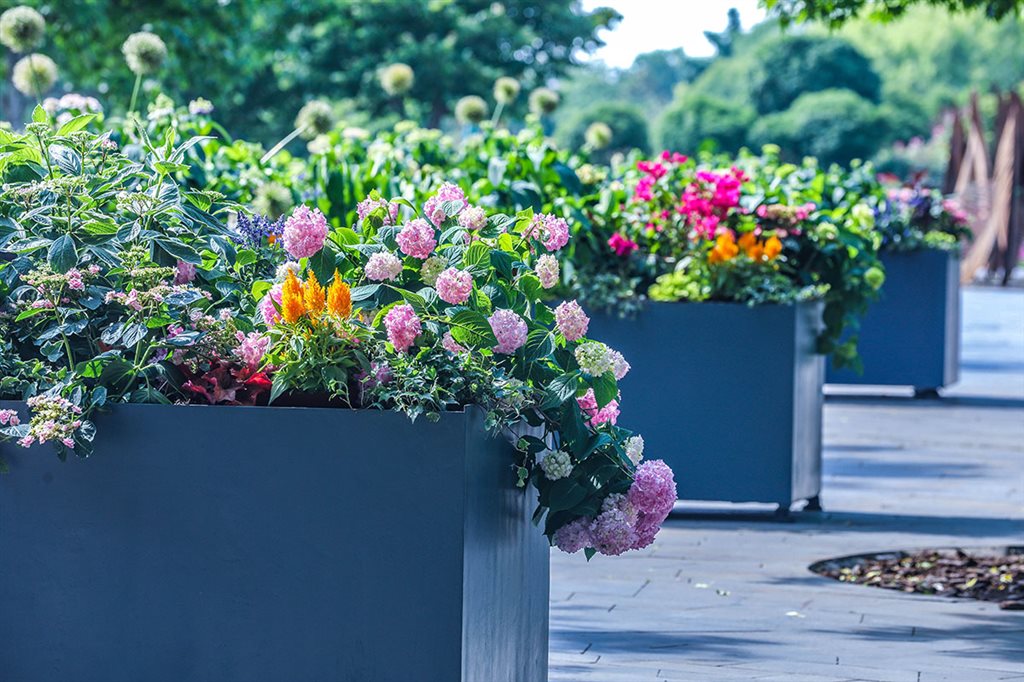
312 442
911 336
727 275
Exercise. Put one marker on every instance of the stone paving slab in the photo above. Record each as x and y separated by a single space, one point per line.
734 600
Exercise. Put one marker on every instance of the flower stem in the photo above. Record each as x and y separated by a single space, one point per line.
135 92
281 145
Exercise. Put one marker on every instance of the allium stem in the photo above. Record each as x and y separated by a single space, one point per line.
135 92
282 144
497 114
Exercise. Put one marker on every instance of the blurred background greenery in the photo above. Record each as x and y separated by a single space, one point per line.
865 89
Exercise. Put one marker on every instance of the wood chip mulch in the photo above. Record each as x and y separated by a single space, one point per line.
987 575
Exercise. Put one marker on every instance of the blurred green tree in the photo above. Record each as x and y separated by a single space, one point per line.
696 118
627 122
838 12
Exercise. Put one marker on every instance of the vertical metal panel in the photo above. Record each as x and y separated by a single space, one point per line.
214 544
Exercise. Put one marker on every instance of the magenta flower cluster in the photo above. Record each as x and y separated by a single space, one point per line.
595 416
626 522
552 231
368 206
270 305
509 329
304 232
417 239
454 286
403 327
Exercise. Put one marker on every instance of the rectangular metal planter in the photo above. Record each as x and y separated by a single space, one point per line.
728 395
911 336
249 544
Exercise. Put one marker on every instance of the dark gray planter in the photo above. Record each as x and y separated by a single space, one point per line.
248 544
728 395
911 336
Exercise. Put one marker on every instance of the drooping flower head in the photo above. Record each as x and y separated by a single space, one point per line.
571 321
305 232
635 449
652 494
403 326
509 329
144 52
417 239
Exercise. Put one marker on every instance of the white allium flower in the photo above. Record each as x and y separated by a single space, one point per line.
556 465
635 449
144 52
315 118
595 358
598 135
397 79
272 199
471 109
22 28
34 74
506 89
543 101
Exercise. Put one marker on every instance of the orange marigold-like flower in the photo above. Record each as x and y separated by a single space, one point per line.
772 247
292 306
746 241
339 298
755 252
725 249
314 295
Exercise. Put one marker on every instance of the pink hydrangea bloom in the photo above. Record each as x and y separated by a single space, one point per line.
596 416
449 343
367 206
252 347
652 494
270 314
304 232
417 239
473 218
621 367
9 418
383 266
612 533
403 327
433 207
184 272
75 282
454 286
573 536
621 245
552 231
547 270
510 330
571 321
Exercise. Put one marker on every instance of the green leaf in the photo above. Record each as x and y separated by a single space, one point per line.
471 328
31 312
180 251
77 123
539 344
62 255
561 389
260 289
39 115
605 389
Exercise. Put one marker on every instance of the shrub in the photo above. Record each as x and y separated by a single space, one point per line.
694 119
627 122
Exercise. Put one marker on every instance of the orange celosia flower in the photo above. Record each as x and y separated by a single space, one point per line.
772 247
755 252
746 241
725 249
314 295
339 298
292 307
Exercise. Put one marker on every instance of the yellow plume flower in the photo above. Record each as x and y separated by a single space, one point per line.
292 307
314 295
339 298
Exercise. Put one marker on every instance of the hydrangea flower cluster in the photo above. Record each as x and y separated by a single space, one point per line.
54 418
383 266
510 329
547 270
552 231
390 213
473 218
434 207
305 232
432 269
595 358
403 327
556 465
454 286
571 321
609 414
417 239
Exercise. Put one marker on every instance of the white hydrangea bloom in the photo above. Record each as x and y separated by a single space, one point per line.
556 465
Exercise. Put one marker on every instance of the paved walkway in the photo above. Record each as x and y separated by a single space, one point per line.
733 600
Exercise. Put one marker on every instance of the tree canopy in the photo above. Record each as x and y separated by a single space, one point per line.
838 12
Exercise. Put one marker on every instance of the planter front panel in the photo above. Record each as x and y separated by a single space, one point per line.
911 335
220 544
728 395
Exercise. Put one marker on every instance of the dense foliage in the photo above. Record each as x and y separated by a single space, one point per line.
837 12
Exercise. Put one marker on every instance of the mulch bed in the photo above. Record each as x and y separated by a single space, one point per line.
990 575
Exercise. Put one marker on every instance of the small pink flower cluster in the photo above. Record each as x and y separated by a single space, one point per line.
626 522
252 348
473 218
654 171
367 206
267 309
417 239
509 329
53 418
552 231
433 207
955 211
449 343
9 418
622 245
707 200
789 216
51 285
596 416
383 266
571 321
305 232
184 272
454 286
403 327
